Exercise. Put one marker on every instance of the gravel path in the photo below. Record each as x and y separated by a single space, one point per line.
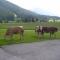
46 50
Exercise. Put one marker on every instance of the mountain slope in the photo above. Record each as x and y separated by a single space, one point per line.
7 11
15 9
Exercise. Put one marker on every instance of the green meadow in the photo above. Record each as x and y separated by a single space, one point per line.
29 33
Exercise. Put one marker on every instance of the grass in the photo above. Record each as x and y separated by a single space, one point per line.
31 25
29 34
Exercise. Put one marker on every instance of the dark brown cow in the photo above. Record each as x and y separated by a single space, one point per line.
43 30
14 30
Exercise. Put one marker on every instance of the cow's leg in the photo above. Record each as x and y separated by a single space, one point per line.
54 35
42 35
38 35
21 35
50 35
5 37
11 36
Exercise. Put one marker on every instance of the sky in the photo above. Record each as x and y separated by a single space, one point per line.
46 7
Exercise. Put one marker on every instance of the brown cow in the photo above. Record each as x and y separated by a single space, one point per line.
14 30
41 30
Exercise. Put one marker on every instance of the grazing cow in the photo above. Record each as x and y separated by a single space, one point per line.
43 30
37 27
14 30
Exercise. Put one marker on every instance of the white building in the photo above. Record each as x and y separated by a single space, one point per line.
57 20
51 20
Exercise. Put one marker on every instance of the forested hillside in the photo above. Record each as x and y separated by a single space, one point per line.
8 10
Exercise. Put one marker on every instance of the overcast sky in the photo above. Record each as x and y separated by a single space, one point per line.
48 7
